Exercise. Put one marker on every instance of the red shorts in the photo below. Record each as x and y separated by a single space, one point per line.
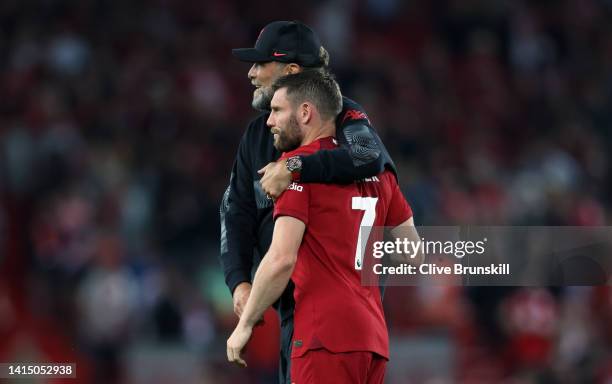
320 366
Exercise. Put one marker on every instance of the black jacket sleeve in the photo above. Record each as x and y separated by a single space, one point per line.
361 153
238 221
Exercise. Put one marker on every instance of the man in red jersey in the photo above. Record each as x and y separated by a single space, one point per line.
340 333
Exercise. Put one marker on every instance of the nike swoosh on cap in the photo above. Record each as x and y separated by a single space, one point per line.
276 54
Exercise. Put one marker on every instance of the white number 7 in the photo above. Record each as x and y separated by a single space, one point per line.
367 204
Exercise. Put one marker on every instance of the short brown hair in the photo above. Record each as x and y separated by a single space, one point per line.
320 89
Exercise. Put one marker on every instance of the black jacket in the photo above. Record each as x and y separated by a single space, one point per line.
246 213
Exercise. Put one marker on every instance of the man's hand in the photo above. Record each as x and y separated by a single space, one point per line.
236 343
276 178
241 295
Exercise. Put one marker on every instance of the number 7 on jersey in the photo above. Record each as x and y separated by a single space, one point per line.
367 204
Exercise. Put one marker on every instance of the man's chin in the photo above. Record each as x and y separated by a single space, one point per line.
285 147
260 102
278 145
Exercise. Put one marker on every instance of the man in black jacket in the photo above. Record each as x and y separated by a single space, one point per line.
282 48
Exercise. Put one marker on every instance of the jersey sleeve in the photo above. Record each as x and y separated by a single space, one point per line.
294 202
399 209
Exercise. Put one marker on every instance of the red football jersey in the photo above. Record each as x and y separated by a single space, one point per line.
333 310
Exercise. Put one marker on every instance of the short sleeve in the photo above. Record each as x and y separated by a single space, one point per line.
294 202
399 209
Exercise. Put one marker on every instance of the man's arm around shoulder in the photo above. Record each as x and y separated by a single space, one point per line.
361 154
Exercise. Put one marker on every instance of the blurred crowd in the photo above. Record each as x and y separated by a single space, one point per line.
119 122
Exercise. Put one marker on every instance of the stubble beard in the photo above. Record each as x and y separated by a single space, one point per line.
291 138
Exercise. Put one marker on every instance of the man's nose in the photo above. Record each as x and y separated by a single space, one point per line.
251 74
270 121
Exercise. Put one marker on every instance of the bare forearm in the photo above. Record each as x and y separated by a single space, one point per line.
270 281
408 231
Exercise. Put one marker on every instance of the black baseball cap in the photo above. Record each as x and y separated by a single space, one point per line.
286 42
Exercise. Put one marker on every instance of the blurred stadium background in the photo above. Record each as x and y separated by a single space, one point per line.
119 122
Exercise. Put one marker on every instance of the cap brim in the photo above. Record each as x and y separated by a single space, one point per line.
250 55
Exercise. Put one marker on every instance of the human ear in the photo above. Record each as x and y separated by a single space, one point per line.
292 69
305 113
